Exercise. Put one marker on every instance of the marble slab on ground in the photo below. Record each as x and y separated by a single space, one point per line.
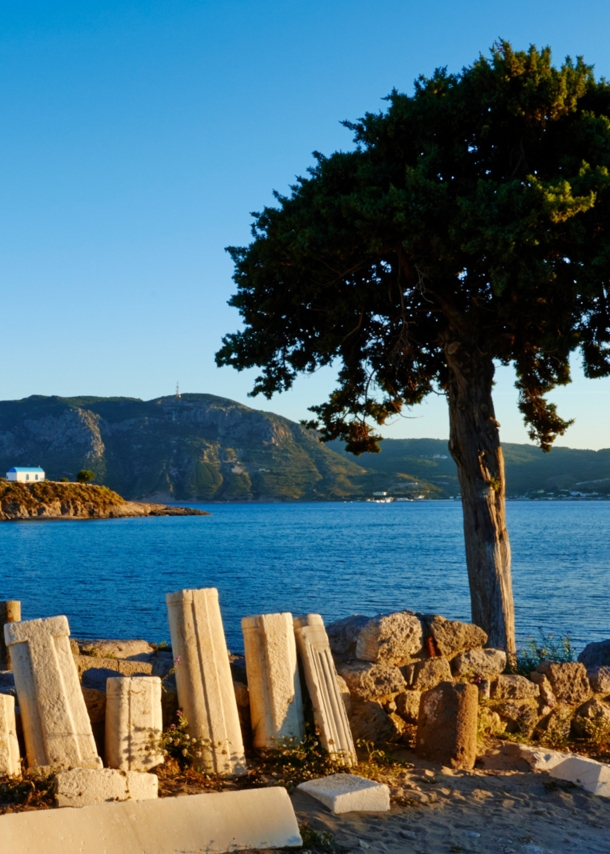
213 823
591 775
348 793
84 787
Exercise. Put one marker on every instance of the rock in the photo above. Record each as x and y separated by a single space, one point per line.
348 793
407 705
599 678
520 716
490 722
596 654
452 637
345 694
113 666
343 636
131 650
592 716
369 722
547 697
96 704
447 725
424 675
486 663
556 723
513 687
568 681
391 638
372 681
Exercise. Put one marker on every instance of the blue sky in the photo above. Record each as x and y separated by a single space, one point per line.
137 137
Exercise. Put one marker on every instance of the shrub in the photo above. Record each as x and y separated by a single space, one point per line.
547 648
85 476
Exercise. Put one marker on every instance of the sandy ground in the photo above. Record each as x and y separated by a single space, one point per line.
501 807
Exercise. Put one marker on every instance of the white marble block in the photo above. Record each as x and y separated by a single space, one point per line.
321 679
56 725
10 761
348 793
134 722
276 704
83 787
203 678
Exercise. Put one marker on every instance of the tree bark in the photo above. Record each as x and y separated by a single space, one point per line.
475 447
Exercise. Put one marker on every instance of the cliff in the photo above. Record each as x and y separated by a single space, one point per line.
74 501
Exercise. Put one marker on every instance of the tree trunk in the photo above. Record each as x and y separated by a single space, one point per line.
475 447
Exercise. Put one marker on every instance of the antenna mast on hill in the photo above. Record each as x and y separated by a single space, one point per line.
178 390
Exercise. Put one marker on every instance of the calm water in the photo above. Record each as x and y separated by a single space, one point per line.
110 576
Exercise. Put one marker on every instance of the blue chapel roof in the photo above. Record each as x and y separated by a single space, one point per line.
26 468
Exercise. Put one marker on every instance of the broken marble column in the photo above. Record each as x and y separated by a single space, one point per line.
10 612
203 679
56 726
133 722
276 704
10 762
321 680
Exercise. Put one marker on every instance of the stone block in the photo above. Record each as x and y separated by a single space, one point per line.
485 663
407 705
596 654
10 612
424 675
391 638
514 687
130 650
452 637
56 725
10 760
348 793
520 716
321 680
213 823
592 776
276 704
94 671
343 636
591 716
548 700
447 725
370 722
569 681
133 723
372 681
96 704
599 678
83 787
203 678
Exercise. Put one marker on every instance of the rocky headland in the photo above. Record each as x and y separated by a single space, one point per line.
49 500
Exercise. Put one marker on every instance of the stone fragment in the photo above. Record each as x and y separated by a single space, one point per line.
101 669
592 776
547 697
447 725
596 654
321 680
203 678
407 705
276 704
133 723
10 760
424 675
599 678
592 717
484 687
490 722
485 663
520 716
83 787
370 722
391 638
130 650
513 687
56 725
10 612
372 681
348 793
343 636
452 637
568 681
214 823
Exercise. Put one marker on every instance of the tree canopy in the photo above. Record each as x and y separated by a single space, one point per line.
472 215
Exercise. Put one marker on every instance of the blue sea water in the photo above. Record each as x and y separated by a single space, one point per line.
110 576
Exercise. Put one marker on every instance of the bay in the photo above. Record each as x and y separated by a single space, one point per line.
110 576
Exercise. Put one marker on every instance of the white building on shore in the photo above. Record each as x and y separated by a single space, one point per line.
25 474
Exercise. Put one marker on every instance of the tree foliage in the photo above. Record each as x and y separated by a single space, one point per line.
473 214
85 476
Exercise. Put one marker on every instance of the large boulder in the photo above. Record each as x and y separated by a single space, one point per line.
513 687
407 705
395 638
596 654
369 722
568 680
599 677
520 716
372 681
343 636
131 650
485 663
424 675
447 725
591 716
452 637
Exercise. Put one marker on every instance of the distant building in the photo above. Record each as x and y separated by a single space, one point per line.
25 474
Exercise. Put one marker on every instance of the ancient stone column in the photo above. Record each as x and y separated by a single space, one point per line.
56 725
10 612
10 763
133 722
203 679
447 725
276 705
321 680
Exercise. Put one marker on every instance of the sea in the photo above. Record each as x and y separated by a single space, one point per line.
110 576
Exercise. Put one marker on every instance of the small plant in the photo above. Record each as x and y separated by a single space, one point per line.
291 761
547 648
85 476
557 733
177 744
64 480
32 791
598 732
164 646
317 840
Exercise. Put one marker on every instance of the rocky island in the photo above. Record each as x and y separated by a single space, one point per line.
51 500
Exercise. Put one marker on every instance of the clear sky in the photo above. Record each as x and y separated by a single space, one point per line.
137 136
